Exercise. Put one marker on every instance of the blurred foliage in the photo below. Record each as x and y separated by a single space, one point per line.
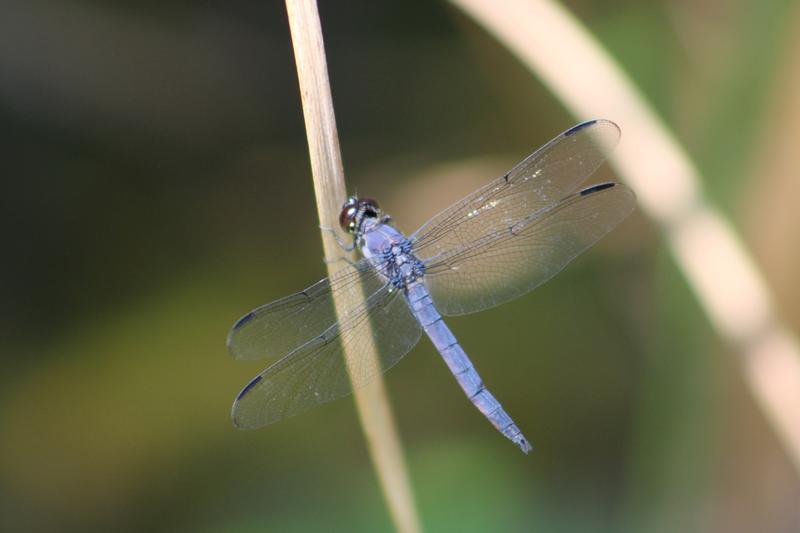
156 186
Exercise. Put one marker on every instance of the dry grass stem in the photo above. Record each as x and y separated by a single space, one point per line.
372 402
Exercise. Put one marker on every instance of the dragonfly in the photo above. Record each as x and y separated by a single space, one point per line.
496 244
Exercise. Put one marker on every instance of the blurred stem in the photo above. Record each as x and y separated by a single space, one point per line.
730 289
372 402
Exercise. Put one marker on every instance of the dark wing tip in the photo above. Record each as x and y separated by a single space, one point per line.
579 127
244 320
247 388
601 124
597 188
242 394
229 342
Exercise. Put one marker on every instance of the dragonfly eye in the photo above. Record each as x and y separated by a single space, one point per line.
348 215
355 210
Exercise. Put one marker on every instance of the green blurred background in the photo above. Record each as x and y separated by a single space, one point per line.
156 185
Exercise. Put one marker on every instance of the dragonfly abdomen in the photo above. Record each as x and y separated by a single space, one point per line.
459 364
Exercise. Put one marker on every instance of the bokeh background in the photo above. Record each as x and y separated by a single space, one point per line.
156 185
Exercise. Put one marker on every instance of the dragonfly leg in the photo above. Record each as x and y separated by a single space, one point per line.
340 258
343 245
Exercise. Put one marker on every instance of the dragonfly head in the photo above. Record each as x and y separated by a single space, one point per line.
356 211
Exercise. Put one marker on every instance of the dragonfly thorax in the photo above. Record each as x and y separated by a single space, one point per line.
401 266
391 253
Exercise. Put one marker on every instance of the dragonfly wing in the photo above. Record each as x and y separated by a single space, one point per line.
542 179
500 266
317 372
276 329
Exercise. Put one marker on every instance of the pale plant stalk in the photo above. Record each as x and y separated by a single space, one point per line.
561 52
372 402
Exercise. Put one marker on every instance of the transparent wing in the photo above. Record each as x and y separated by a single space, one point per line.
512 260
539 181
317 372
275 329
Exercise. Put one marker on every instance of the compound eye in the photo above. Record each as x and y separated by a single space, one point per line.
347 217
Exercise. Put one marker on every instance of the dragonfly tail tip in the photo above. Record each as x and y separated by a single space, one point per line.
524 445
